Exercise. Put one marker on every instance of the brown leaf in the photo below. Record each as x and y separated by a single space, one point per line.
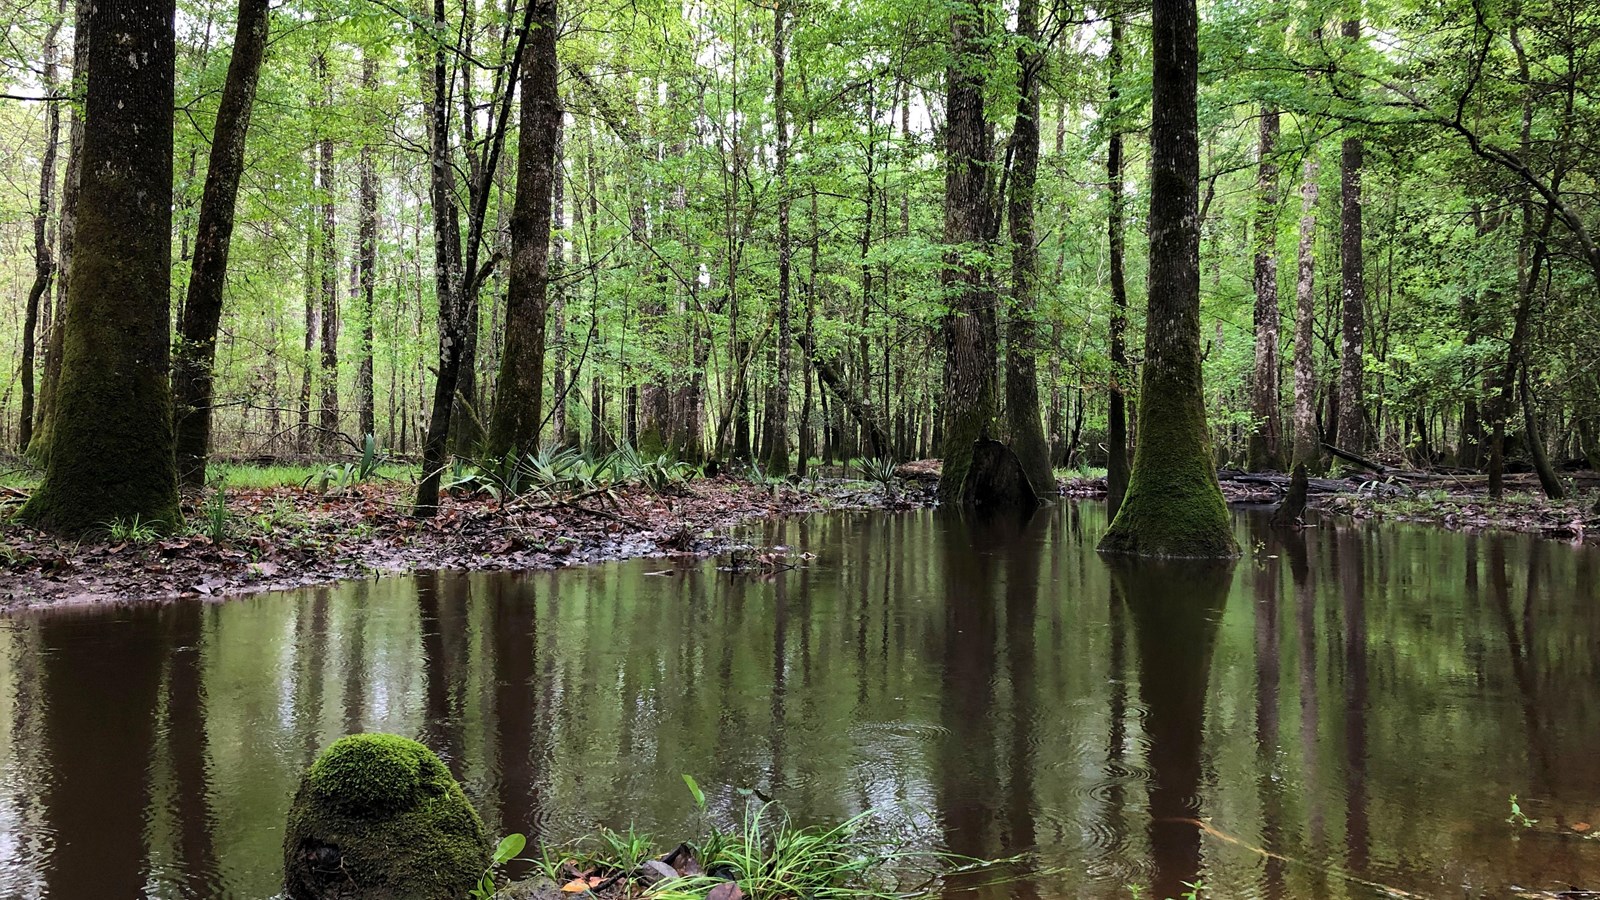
727 890
576 886
1581 827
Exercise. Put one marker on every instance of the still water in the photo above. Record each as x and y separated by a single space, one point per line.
1346 711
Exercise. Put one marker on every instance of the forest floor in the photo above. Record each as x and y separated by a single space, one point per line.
284 536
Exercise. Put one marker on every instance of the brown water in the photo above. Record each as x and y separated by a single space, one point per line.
1345 711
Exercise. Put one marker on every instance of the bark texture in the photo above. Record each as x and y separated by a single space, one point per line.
192 385
1174 507
111 457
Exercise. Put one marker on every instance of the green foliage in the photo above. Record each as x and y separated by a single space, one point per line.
1518 817
133 530
504 852
215 518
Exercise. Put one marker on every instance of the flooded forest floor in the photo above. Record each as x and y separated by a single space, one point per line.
292 535
289 536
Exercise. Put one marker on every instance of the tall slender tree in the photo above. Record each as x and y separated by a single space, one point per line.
44 263
970 340
514 425
367 248
192 382
1351 426
1267 436
111 457
1117 413
776 441
1174 506
1023 419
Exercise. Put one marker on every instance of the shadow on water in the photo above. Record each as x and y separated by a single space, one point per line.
1349 706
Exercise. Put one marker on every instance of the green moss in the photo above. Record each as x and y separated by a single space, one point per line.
1174 507
379 817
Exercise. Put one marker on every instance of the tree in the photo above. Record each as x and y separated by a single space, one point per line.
1267 436
514 426
43 237
192 382
970 341
1025 425
1116 401
111 456
776 441
1351 427
1174 506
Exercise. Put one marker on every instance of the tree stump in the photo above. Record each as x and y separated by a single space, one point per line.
379 817
997 480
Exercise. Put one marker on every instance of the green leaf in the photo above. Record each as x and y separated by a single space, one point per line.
694 788
510 846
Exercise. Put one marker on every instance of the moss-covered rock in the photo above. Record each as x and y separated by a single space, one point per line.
378 817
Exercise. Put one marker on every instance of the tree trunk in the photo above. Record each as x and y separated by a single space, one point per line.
368 262
447 264
1535 440
111 455
1024 422
1306 451
39 447
202 307
970 341
1117 414
1352 286
1266 438
328 415
43 260
514 426
1174 506
776 442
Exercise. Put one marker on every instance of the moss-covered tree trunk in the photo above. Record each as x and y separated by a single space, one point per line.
202 308
1174 506
111 456
970 342
1023 420
514 425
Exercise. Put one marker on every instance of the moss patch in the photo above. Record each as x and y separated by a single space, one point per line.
379 817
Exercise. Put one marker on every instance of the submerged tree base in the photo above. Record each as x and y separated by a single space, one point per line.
1172 519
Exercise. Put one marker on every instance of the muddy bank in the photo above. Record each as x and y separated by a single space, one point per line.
288 537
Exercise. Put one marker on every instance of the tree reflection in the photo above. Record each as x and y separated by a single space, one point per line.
1176 607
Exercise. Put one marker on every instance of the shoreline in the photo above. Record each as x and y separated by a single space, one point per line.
286 538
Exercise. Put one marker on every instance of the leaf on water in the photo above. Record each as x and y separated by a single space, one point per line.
1581 827
728 890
